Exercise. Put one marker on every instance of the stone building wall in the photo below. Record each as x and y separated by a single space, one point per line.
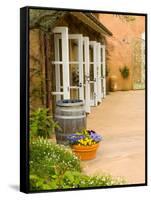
40 70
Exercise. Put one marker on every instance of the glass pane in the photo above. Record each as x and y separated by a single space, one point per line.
91 54
84 74
91 72
73 50
101 70
84 89
74 93
74 75
101 54
60 50
91 91
102 85
61 75
83 54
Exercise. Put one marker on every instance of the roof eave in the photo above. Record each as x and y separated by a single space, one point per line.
91 21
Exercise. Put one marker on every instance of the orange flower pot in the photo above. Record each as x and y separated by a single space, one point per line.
85 152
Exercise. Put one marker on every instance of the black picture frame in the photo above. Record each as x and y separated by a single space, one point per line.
24 97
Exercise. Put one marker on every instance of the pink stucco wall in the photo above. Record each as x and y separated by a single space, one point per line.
120 45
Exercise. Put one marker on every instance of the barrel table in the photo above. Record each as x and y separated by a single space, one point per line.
71 117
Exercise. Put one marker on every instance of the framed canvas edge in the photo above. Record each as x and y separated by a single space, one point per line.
24 101
24 98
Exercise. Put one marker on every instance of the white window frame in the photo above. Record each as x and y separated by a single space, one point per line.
104 69
79 39
87 74
93 102
99 81
65 63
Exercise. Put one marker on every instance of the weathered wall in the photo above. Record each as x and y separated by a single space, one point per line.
120 46
35 70
39 69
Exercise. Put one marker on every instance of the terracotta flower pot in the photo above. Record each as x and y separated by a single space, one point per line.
85 152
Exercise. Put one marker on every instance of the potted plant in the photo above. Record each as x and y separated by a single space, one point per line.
125 73
85 143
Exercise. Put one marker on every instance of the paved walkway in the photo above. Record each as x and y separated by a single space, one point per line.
120 120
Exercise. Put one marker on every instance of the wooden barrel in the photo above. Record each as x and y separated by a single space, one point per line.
71 117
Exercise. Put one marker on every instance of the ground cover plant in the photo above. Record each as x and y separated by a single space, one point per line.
54 166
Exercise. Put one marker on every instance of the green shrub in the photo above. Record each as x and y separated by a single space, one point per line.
74 179
54 166
49 161
42 124
80 180
38 183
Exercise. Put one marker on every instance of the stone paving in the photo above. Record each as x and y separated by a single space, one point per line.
120 120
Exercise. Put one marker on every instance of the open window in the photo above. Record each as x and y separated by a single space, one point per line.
71 66
99 77
103 70
93 73
79 68
86 74
61 63
76 66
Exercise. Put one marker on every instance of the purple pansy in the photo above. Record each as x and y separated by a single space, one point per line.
75 137
96 137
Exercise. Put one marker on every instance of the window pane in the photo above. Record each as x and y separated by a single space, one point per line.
91 72
91 91
73 50
74 75
74 93
91 54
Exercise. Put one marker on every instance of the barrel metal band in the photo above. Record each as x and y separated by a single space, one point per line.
71 110
70 117
63 134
